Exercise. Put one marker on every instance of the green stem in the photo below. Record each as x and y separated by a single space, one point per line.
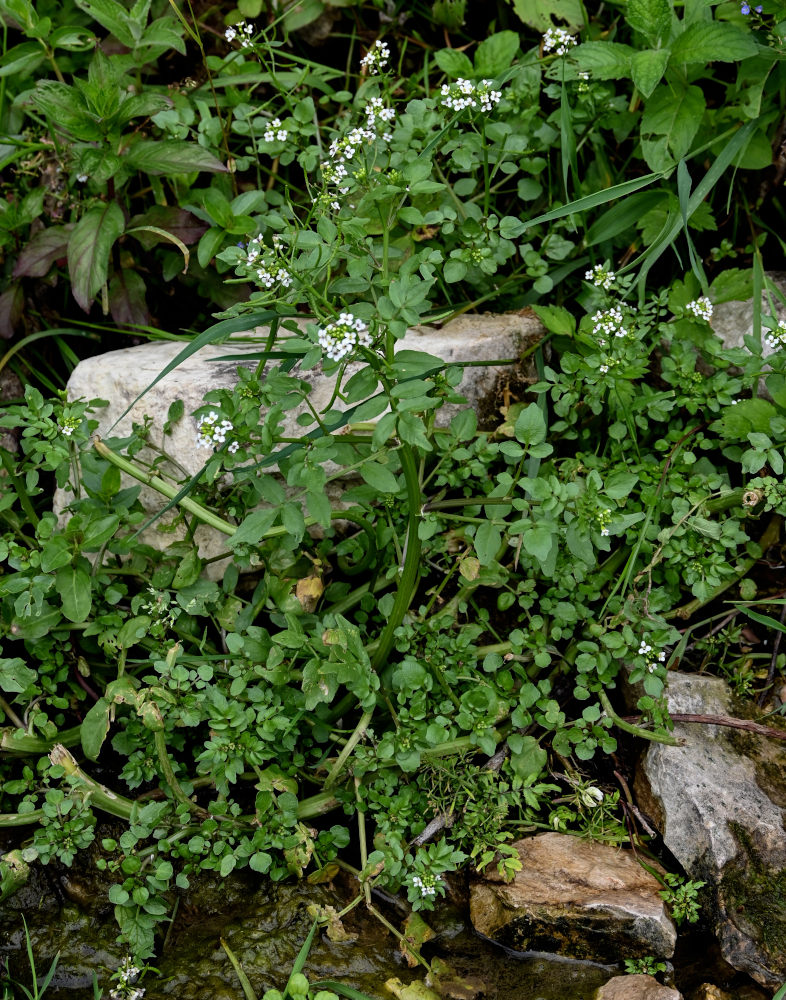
645 734
100 796
166 766
404 594
14 741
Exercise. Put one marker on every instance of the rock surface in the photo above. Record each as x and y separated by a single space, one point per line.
575 897
120 376
718 801
733 321
636 988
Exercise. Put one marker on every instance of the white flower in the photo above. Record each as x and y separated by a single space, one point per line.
376 59
274 132
776 339
211 431
426 886
652 659
558 39
81 178
340 338
600 276
608 322
243 31
465 94
701 308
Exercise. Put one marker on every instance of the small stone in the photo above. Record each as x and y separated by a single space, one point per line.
636 988
576 898
709 992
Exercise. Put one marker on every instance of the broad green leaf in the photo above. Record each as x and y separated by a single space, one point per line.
409 364
74 586
736 422
171 156
543 14
379 477
530 427
94 728
527 757
454 64
251 530
113 16
495 54
300 14
604 60
647 69
732 285
412 430
66 109
537 540
188 570
89 248
713 41
21 59
676 115
652 18
556 320
776 387
15 675
42 251
488 539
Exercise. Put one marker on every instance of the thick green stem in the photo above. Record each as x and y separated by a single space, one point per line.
166 766
628 727
16 741
100 796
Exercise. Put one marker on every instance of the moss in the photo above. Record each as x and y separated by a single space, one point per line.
755 896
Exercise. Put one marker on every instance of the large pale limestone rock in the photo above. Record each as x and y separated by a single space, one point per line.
636 988
120 376
718 801
733 321
576 898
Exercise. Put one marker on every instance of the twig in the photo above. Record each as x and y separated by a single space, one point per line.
723 720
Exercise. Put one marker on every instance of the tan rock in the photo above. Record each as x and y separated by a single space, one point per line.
636 988
576 898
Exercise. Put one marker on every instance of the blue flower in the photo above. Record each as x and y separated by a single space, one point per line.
758 9
745 8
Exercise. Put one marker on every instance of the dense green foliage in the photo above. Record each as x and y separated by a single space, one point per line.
406 683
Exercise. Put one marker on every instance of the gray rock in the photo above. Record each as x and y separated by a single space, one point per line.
718 801
636 988
733 321
577 898
120 376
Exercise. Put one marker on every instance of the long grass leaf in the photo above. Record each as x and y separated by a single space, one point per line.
302 955
703 188
762 619
213 333
248 989
345 991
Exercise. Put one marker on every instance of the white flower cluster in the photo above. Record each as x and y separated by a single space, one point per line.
653 659
68 425
776 339
600 276
701 308
127 975
466 94
341 337
603 517
427 887
558 39
378 115
264 264
211 432
274 132
377 57
607 323
243 32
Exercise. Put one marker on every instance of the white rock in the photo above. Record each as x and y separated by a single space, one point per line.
120 376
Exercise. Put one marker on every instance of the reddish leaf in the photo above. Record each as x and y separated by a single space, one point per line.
12 303
177 221
127 299
42 251
89 248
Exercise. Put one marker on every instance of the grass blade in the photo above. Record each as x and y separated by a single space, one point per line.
344 991
248 990
302 955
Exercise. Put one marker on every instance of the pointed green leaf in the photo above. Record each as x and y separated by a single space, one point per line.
713 41
647 69
171 156
94 728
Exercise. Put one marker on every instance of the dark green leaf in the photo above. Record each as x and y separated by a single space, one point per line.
713 41
94 728
74 586
171 156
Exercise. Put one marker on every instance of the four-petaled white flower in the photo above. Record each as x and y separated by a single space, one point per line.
465 94
243 31
600 276
340 338
701 308
377 57
212 432
558 39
